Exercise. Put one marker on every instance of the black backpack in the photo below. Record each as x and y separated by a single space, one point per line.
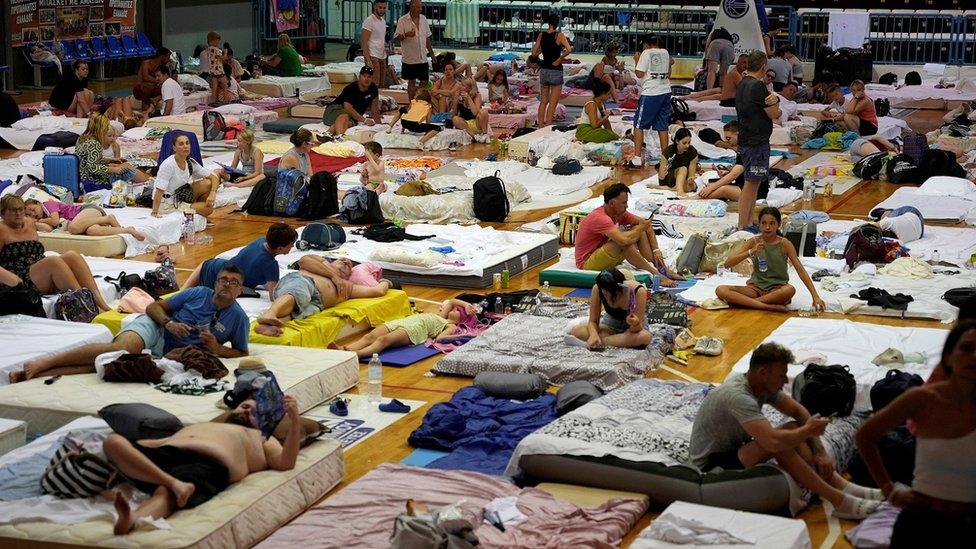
882 106
261 199
826 390
913 79
902 169
888 79
871 166
566 166
957 297
323 197
388 232
891 386
680 112
939 162
490 199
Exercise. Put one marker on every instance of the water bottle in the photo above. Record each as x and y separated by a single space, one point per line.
499 307
761 262
935 256
374 385
483 306
546 292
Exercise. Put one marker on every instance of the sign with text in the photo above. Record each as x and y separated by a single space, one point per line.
33 20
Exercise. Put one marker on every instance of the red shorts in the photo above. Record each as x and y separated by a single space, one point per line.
757 292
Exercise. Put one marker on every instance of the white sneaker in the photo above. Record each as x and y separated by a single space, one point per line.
482 138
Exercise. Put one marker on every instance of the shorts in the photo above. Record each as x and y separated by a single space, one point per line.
415 71
208 476
730 102
725 460
99 209
653 112
615 325
758 292
419 127
473 125
419 327
308 299
152 334
920 527
855 148
755 160
601 259
551 77
867 128
331 113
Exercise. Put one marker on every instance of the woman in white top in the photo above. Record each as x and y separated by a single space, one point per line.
594 123
248 159
939 509
182 181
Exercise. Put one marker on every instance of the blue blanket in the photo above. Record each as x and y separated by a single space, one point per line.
480 431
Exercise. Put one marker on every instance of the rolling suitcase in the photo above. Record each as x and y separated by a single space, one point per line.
62 170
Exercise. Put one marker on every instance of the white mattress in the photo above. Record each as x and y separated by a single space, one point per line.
933 207
240 516
286 86
195 98
709 110
953 244
27 338
915 93
763 531
100 268
854 344
310 375
476 247
158 230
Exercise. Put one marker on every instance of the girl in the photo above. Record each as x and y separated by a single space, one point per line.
594 123
416 117
249 158
221 91
768 289
604 69
82 219
554 48
416 329
940 506
182 182
682 162
121 110
498 88
445 91
92 165
469 114
623 322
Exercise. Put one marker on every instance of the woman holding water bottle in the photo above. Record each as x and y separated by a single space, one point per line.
768 288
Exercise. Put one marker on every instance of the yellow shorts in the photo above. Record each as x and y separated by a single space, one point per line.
601 259
473 124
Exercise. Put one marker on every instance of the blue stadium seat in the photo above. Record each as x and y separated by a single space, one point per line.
69 54
145 47
115 49
98 51
81 49
130 47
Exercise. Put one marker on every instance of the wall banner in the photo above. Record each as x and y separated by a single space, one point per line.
33 20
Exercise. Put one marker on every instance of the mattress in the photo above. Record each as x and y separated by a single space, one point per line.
193 121
100 268
565 273
285 125
307 110
755 530
158 230
286 86
576 99
637 437
240 516
312 376
934 207
95 246
518 147
197 98
343 72
709 110
27 338
13 435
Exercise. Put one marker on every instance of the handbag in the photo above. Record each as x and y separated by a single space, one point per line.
719 251
76 472
184 194
125 281
161 280
76 306
691 256
569 223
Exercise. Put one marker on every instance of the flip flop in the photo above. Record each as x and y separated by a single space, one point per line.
339 407
394 407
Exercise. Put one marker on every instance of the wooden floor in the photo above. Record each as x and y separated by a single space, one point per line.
741 330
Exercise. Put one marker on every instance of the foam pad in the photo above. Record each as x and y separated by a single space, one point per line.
285 125
404 356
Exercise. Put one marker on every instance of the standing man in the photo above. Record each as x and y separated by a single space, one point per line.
374 42
654 108
415 39
756 109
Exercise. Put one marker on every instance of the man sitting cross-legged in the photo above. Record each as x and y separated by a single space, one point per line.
318 285
197 316
610 234
731 432
199 461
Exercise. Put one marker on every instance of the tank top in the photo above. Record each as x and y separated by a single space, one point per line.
869 114
303 162
464 112
551 50
776 270
247 164
418 111
585 117
19 257
618 313
942 470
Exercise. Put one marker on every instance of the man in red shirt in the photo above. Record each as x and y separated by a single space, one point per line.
602 244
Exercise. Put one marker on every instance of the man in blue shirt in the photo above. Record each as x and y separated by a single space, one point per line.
256 260
198 316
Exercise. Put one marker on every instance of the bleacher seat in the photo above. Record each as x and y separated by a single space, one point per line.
115 49
82 50
98 50
37 67
145 46
69 53
130 46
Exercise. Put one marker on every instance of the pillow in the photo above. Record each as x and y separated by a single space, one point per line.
192 82
366 274
235 108
947 186
136 421
393 253
47 123
511 385
516 192
575 394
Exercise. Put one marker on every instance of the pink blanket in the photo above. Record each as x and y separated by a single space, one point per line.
363 513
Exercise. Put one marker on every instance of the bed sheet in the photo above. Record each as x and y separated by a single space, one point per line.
915 93
197 98
444 140
286 86
193 121
709 110
158 230
30 338
954 245
24 139
759 530
933 207
854 344
12 168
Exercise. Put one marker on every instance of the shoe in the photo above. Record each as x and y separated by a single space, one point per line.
339 407
394 407
709 346
889 356
713 304
685 339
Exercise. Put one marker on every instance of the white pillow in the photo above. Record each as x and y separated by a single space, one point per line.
235 108
516 192
192 82
944 185
35 123
394 253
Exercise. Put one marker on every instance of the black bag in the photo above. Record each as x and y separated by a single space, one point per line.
680 112
356 215
321 236
125 281
261 199
490 199
566 166
913 79
882 106
388 232
865 243
61 140
897 448
957 297
323 198
888 79
22 299
826 390
870 166
891 386
902 169
939 162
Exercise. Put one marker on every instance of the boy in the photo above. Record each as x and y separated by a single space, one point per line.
373 176
211 59
654 108
730 133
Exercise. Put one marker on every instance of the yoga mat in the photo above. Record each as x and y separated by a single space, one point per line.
421 457
580 293
404 356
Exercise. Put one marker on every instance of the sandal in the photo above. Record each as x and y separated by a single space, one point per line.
340 407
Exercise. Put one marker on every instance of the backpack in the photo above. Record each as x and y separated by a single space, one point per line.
161 280
957 297
291 188
566 166
882 106
680 112
870 166
891 386
323 197
915 145
888 79
321 236
913 79
826 390
76 306
388 232
902 169
261 199
215 128
692 254
490 199
361 206
22 299
865 243
937 162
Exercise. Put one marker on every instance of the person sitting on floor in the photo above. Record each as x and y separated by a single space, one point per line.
498 88
249 159
609 70
82 219
318 285
71 93
221 91
618 313
172 101
92 165
297 157
769 287
191 466
725 95
610 234
415 329
181 182
285 61
196 316
445 91
256 260
858 115
416 117
349 108
731 433
147 88
594 123
470 114
373 175
682 162
728 139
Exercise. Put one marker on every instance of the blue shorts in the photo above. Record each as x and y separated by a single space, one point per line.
150 332
209 271
653 112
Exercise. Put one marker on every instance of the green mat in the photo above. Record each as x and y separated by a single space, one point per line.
578 279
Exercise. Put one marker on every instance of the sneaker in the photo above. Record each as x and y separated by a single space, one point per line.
709 346
713 304
482 138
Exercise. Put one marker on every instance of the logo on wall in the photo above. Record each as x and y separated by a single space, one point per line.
736 9
735 38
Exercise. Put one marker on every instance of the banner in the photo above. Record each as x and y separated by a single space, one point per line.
33 20
286 14
739 17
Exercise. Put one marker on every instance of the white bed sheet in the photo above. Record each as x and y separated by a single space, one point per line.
709 110
27 338
854 344
953 244
925 91
764 531
158 230
287 85
933 207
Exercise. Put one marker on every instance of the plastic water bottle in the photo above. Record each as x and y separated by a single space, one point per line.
546 292
499 306
761 262
935 256
374 385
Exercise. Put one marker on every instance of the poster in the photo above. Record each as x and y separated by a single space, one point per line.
32 20
285 13
739 17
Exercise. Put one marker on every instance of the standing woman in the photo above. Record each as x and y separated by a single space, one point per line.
554 48
939 509
181 181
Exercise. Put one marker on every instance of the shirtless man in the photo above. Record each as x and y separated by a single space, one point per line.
318 285
198 462
726 94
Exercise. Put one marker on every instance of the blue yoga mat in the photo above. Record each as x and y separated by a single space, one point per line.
421 457
404 356
579 292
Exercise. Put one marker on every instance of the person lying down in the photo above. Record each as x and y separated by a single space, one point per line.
81 219
418 328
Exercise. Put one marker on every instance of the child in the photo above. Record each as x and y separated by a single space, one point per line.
768 289
249 158
221 89
416 329
618 312
82 219
594 124
729 185
211 59
681 160
373 176
121 110
469 114
416 117
498 88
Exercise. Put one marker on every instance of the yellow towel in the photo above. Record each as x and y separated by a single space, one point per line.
338 150
274 147
111 320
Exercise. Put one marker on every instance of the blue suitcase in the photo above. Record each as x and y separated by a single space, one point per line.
62 170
